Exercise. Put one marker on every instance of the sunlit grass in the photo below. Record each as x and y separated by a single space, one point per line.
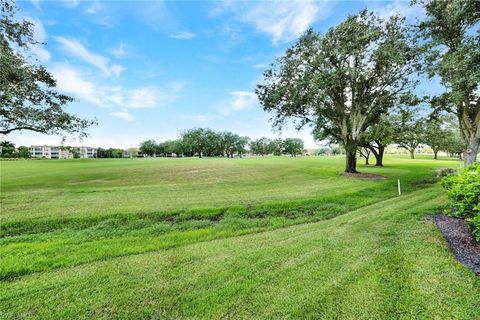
228 224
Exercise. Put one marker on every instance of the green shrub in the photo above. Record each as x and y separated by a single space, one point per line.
475 223
463 192
445 172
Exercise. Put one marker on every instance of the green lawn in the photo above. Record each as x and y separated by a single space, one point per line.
213 238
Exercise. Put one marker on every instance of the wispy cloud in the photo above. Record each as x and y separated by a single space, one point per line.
124 115
200 118
142 98
260 65
283 21
36 3
75 48
40 36
401 8
120 51
184 35
70 3
238 101
72 81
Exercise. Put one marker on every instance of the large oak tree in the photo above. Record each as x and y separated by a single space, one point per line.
342 81
452 41
28 99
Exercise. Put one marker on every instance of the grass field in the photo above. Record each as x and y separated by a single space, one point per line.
213 238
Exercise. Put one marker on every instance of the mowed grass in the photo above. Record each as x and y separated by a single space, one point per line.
382 261
212 238
61 213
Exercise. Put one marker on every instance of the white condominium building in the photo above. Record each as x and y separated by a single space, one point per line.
57 152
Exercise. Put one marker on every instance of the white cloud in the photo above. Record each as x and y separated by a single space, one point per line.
185 35
283 21
40 35
238 101
124 115
202 118
36 3
75 48
260 65
120 51
142 98
401 8
72 81
71 3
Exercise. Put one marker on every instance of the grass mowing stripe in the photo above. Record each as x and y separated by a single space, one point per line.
349 267
36 243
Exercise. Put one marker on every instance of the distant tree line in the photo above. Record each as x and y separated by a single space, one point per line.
206 142
8 150
110 153
408 130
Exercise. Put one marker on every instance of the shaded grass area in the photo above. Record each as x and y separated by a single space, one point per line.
43 241
382 261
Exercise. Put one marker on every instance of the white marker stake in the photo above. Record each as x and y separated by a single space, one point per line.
399 191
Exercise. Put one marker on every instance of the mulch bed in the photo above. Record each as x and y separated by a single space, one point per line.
360 175
465 248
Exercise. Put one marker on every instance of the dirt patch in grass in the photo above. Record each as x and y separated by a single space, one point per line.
465 248
360 175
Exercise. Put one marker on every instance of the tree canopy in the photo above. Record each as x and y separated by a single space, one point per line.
451 36
28 99
342 81
293 146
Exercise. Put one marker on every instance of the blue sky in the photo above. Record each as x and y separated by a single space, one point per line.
147 70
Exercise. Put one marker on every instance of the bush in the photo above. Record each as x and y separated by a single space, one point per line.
463 192
444 172
475 223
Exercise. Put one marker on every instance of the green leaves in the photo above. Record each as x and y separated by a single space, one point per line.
28 99
451 45
463 192
342 81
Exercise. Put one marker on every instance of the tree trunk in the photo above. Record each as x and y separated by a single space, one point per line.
351 162
200 154
435 153
470 153
366 160
412 154
379 157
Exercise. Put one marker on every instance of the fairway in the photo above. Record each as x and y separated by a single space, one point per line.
270 237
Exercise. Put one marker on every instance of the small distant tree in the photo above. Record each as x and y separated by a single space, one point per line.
28 96
102 153
436 134
201 141
160 149
324 151
24 152
377 138
261 146
75 153
277 147
241 144
293 146
454 143
336 150
410 131
228 143
365 153
115 153
133 152
8 149
148 147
